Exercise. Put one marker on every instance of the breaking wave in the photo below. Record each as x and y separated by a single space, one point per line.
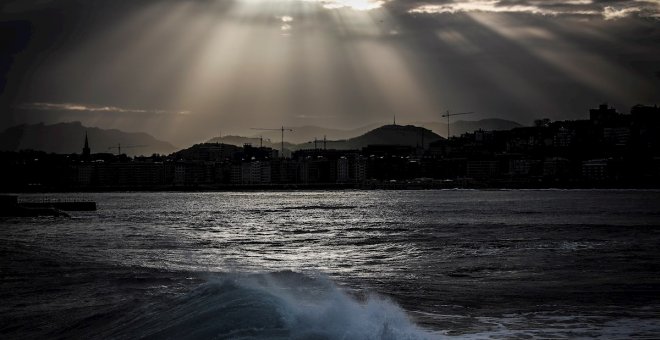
283 305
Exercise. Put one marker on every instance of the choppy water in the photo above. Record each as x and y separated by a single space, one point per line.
337 265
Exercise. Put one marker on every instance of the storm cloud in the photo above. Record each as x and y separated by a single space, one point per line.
232 64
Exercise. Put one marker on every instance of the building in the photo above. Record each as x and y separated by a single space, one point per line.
194 173
602 115
595 170
86 153
483 168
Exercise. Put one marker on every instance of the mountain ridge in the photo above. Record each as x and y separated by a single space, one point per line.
70 138
409 135
367 135
307 133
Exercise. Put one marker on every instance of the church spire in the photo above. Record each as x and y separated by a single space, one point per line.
85 150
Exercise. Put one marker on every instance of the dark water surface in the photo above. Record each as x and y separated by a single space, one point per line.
337 265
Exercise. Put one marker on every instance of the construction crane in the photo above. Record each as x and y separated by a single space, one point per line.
316 141
118 147
282 129
451 115
261 141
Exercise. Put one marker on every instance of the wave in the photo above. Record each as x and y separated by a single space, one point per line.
282 305
323 207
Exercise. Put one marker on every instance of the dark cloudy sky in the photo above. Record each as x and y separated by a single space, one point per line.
184 70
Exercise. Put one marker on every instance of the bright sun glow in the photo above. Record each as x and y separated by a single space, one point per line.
274 61
358 5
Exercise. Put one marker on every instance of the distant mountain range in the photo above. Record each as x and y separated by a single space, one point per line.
303 137
65 138
408 135
388 134
460 127
307 133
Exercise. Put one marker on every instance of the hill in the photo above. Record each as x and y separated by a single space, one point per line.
307 133
460 127
254 141
367 135
65 138
388 134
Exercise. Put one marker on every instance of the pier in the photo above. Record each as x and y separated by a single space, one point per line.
11 207
64 205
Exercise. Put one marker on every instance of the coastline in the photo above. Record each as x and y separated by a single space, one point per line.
394 186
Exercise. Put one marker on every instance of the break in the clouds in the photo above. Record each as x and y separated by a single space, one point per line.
607 9
138 65
92 108
359 5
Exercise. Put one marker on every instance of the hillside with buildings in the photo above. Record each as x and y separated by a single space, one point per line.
460 127
407 135
309 133
610 149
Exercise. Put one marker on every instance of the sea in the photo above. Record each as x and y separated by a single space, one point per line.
428 264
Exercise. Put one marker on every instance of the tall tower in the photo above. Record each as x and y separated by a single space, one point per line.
85 150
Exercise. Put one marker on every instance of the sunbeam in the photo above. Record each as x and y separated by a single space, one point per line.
231 63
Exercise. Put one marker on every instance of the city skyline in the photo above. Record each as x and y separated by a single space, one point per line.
609 150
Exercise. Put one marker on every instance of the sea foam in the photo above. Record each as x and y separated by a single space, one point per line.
283 305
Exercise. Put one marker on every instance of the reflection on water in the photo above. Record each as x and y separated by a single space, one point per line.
500 263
